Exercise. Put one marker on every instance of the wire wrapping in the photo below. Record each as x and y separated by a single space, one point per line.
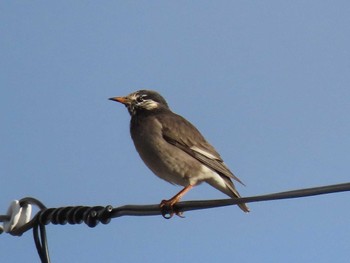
91 216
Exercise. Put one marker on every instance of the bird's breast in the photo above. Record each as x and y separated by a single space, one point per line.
165 160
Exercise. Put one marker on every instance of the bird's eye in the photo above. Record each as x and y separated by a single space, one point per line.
140 99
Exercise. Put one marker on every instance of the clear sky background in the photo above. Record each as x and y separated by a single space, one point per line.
266 82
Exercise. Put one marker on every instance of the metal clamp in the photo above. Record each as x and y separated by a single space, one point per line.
17 216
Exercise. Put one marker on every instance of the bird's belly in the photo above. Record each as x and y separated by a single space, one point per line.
169 163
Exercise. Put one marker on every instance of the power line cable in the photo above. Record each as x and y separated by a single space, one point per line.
92 215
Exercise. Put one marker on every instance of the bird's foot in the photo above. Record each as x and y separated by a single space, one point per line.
167 206
168 210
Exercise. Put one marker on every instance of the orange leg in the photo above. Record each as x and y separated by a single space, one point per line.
167 205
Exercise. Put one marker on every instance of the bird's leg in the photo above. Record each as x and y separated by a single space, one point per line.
167 206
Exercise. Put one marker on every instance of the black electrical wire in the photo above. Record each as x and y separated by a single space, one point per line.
95 214
149 210
44 245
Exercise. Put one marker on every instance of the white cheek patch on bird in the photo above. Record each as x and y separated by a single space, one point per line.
149 104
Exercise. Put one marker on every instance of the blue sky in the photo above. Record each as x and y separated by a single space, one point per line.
266 82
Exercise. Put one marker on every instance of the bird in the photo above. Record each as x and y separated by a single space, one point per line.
174 149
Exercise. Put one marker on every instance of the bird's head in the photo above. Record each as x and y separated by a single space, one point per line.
142 100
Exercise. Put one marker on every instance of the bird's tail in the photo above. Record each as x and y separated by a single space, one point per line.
229 189
235 194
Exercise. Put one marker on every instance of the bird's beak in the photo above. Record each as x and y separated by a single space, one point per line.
123 100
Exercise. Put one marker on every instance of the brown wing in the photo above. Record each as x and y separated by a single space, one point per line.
186 137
